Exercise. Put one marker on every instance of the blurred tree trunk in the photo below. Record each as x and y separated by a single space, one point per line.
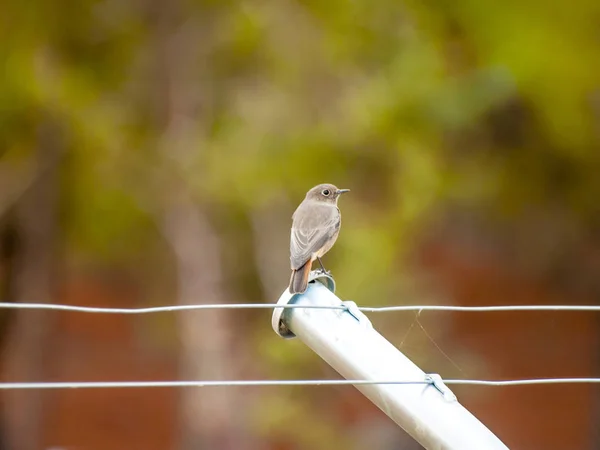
211 419
27 350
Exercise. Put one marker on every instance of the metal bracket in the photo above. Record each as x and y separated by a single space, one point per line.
277 321
436 380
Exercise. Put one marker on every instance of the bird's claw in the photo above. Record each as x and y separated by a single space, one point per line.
324 272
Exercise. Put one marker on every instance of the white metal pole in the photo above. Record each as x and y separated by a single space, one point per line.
345 339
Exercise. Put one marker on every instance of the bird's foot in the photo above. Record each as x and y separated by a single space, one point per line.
324 272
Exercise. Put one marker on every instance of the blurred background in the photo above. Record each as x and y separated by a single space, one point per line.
152 153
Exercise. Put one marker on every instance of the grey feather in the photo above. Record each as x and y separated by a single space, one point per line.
310 232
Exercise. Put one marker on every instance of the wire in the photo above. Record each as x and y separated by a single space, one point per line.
484 308
174 308
157 309
125 384
234 383
524 382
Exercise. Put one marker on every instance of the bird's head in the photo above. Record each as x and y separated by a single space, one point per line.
325 193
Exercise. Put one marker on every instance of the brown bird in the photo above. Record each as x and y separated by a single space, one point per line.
315 228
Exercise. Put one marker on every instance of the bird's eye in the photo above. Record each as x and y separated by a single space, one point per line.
325 192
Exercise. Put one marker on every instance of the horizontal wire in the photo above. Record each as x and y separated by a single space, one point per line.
173 308
524 382
157 309
234 383
483 308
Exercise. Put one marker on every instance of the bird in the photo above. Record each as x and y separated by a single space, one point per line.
315 228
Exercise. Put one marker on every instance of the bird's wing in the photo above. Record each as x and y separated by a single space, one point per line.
311 231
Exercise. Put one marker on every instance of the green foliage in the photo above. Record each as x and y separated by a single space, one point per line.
413 105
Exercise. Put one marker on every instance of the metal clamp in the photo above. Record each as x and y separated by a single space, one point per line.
436 380
352 309
277 321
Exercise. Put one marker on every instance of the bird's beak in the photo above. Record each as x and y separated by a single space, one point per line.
342 191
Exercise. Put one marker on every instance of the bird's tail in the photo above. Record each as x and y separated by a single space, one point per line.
299 279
